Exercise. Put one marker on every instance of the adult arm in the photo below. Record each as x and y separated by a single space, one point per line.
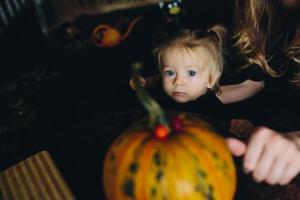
239 92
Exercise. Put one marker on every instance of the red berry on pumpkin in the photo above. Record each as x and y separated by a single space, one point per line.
176 124
161 131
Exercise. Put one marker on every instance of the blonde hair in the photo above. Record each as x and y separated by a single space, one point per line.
255 22
213 40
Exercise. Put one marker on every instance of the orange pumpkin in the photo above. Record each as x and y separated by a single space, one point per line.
106 36
179 157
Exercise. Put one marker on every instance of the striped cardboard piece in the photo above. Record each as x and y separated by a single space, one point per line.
36 178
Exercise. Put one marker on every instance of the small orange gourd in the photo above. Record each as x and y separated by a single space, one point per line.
174 157
107 36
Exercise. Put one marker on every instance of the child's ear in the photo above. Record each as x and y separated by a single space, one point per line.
212 80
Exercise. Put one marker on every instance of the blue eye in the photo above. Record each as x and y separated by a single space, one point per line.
169 73
191 73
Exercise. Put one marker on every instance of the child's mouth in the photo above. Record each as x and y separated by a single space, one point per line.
178 94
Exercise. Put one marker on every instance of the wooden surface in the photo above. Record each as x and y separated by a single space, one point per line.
34 178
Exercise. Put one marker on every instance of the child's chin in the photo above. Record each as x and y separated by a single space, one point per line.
181 100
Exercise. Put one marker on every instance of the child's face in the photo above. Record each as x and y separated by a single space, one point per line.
185 76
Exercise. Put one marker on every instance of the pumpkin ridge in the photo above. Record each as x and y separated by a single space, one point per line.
160 174
138 153
217 141
191 155
227 174
172 150
111 165
146 155
139 149
122 151
206 158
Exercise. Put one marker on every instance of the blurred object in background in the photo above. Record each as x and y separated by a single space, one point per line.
10 10
21 97
98 31
53 13
173 12
104 35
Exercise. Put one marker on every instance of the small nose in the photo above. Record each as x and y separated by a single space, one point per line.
179 81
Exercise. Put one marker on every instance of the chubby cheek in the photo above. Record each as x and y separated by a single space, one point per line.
167 87
196 94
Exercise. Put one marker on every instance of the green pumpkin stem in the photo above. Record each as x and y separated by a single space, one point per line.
156 114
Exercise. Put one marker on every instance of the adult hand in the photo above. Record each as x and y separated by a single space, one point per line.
142 80
269 156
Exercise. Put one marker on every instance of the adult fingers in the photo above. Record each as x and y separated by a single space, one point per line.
292 168
256 146
285 157
275 154
290 172
236 147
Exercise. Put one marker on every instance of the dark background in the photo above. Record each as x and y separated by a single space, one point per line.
71 78
67 96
